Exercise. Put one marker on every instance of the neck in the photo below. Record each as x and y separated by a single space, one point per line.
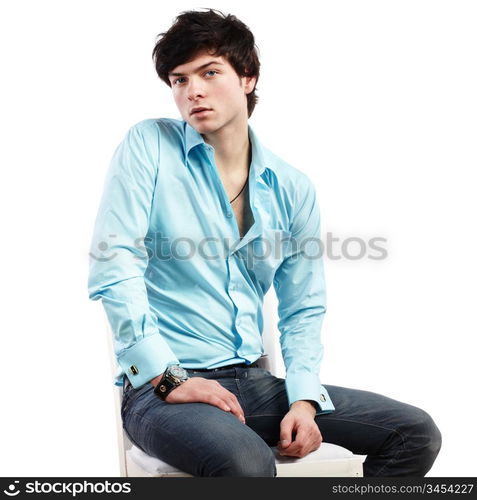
232 147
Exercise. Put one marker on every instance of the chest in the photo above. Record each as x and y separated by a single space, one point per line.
193 203
243 213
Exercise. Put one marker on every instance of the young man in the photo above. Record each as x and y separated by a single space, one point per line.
222 218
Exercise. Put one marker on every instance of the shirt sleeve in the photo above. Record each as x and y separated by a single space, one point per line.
300 288
118 257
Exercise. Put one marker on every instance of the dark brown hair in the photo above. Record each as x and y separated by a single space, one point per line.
220 34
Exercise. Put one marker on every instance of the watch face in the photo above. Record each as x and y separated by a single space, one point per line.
177 372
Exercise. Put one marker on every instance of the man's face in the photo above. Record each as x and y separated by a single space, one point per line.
212 83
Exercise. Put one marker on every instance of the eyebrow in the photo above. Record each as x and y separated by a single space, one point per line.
198 69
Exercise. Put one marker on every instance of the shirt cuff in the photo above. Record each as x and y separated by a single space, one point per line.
146 359
305 385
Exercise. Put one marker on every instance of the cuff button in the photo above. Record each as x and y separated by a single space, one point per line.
134 370
322 397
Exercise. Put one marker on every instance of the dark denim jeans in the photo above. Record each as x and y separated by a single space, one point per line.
202 440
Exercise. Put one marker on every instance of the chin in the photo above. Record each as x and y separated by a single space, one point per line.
204 127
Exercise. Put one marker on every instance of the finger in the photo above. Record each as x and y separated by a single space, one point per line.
286 428
307 440
279 444
315 439
233 402
224 405
218 402
293 449
319 439
236 409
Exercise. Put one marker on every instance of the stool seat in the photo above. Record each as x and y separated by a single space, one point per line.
329 460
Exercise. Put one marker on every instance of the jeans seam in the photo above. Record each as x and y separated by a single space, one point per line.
396 456
361 423
240 395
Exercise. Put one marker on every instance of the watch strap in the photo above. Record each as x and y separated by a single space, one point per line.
168 383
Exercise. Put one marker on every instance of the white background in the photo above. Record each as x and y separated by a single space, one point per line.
374 100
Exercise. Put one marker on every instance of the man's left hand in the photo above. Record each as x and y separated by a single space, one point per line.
299 421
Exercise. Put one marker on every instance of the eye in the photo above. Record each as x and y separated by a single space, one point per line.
178 82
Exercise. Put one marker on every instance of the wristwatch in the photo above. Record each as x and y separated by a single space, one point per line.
173 377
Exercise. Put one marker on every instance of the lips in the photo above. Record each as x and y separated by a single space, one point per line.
198 110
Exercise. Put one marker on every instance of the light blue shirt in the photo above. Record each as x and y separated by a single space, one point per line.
177 282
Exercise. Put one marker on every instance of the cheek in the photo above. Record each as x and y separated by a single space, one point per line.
177 98
180 103
228 95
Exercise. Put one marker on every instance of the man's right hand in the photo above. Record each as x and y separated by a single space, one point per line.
203 390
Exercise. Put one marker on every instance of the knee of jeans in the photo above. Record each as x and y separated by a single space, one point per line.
434 437
427 436
258 461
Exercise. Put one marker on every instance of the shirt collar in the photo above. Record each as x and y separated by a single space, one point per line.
193 139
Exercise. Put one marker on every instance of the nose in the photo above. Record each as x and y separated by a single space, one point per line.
194 89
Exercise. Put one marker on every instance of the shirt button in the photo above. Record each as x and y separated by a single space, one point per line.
229 214
238 322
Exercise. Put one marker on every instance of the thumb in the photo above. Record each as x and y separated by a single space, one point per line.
286 428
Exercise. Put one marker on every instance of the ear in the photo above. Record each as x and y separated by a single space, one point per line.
249 83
